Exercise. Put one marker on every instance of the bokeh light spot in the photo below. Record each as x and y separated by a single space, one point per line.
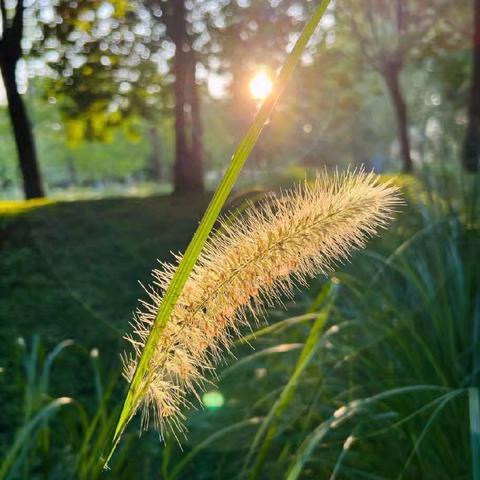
213 400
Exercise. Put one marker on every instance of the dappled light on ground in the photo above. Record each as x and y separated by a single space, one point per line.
14 207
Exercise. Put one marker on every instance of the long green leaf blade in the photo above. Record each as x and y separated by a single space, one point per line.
268 428
474 408
25 434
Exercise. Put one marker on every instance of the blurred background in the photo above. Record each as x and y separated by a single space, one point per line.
117 121
124 97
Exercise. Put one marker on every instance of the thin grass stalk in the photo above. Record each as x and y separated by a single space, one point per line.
348 411
138 383
474 410
431 421
25 435
180 466
347 445
474 397
276 327
276 350
269 428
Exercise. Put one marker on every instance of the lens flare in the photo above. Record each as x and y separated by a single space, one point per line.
260 86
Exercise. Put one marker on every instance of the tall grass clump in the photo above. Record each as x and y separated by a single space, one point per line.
399 397
58 436
248 264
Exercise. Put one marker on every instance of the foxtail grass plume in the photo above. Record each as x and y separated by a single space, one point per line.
247 265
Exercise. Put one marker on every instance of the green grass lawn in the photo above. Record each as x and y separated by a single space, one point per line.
72 269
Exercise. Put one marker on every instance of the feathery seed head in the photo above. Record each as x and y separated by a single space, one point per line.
246 266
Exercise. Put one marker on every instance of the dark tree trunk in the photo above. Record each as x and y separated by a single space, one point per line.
10 54
471 147
155 155
22 130
187 176
180 174
392 80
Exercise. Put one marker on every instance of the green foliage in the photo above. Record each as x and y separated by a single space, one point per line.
99 66
123 160
61 437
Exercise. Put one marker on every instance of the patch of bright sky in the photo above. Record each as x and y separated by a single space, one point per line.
218 84
3 96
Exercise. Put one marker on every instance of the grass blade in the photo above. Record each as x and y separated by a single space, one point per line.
268 428
474 408
25 434
276 327
345 413
212 438
426 429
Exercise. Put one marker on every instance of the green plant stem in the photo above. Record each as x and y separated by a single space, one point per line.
269 428
140 378
474 410
26 433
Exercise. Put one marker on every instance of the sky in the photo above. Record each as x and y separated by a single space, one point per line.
3 98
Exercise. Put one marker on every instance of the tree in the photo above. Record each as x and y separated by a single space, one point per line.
471 148
188 174
10 54
253 37
119 78
390 34
206 30
155 164
188 165
93 56
387 57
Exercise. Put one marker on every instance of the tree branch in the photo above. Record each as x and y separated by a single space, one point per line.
3 9
16 29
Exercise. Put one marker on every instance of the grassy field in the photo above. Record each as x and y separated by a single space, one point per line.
71 270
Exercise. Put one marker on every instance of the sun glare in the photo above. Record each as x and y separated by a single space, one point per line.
260 86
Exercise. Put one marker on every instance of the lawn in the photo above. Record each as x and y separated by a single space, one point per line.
71 269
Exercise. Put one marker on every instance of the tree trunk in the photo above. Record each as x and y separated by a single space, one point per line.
187 177
471 146
22 130
181 177
392 80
